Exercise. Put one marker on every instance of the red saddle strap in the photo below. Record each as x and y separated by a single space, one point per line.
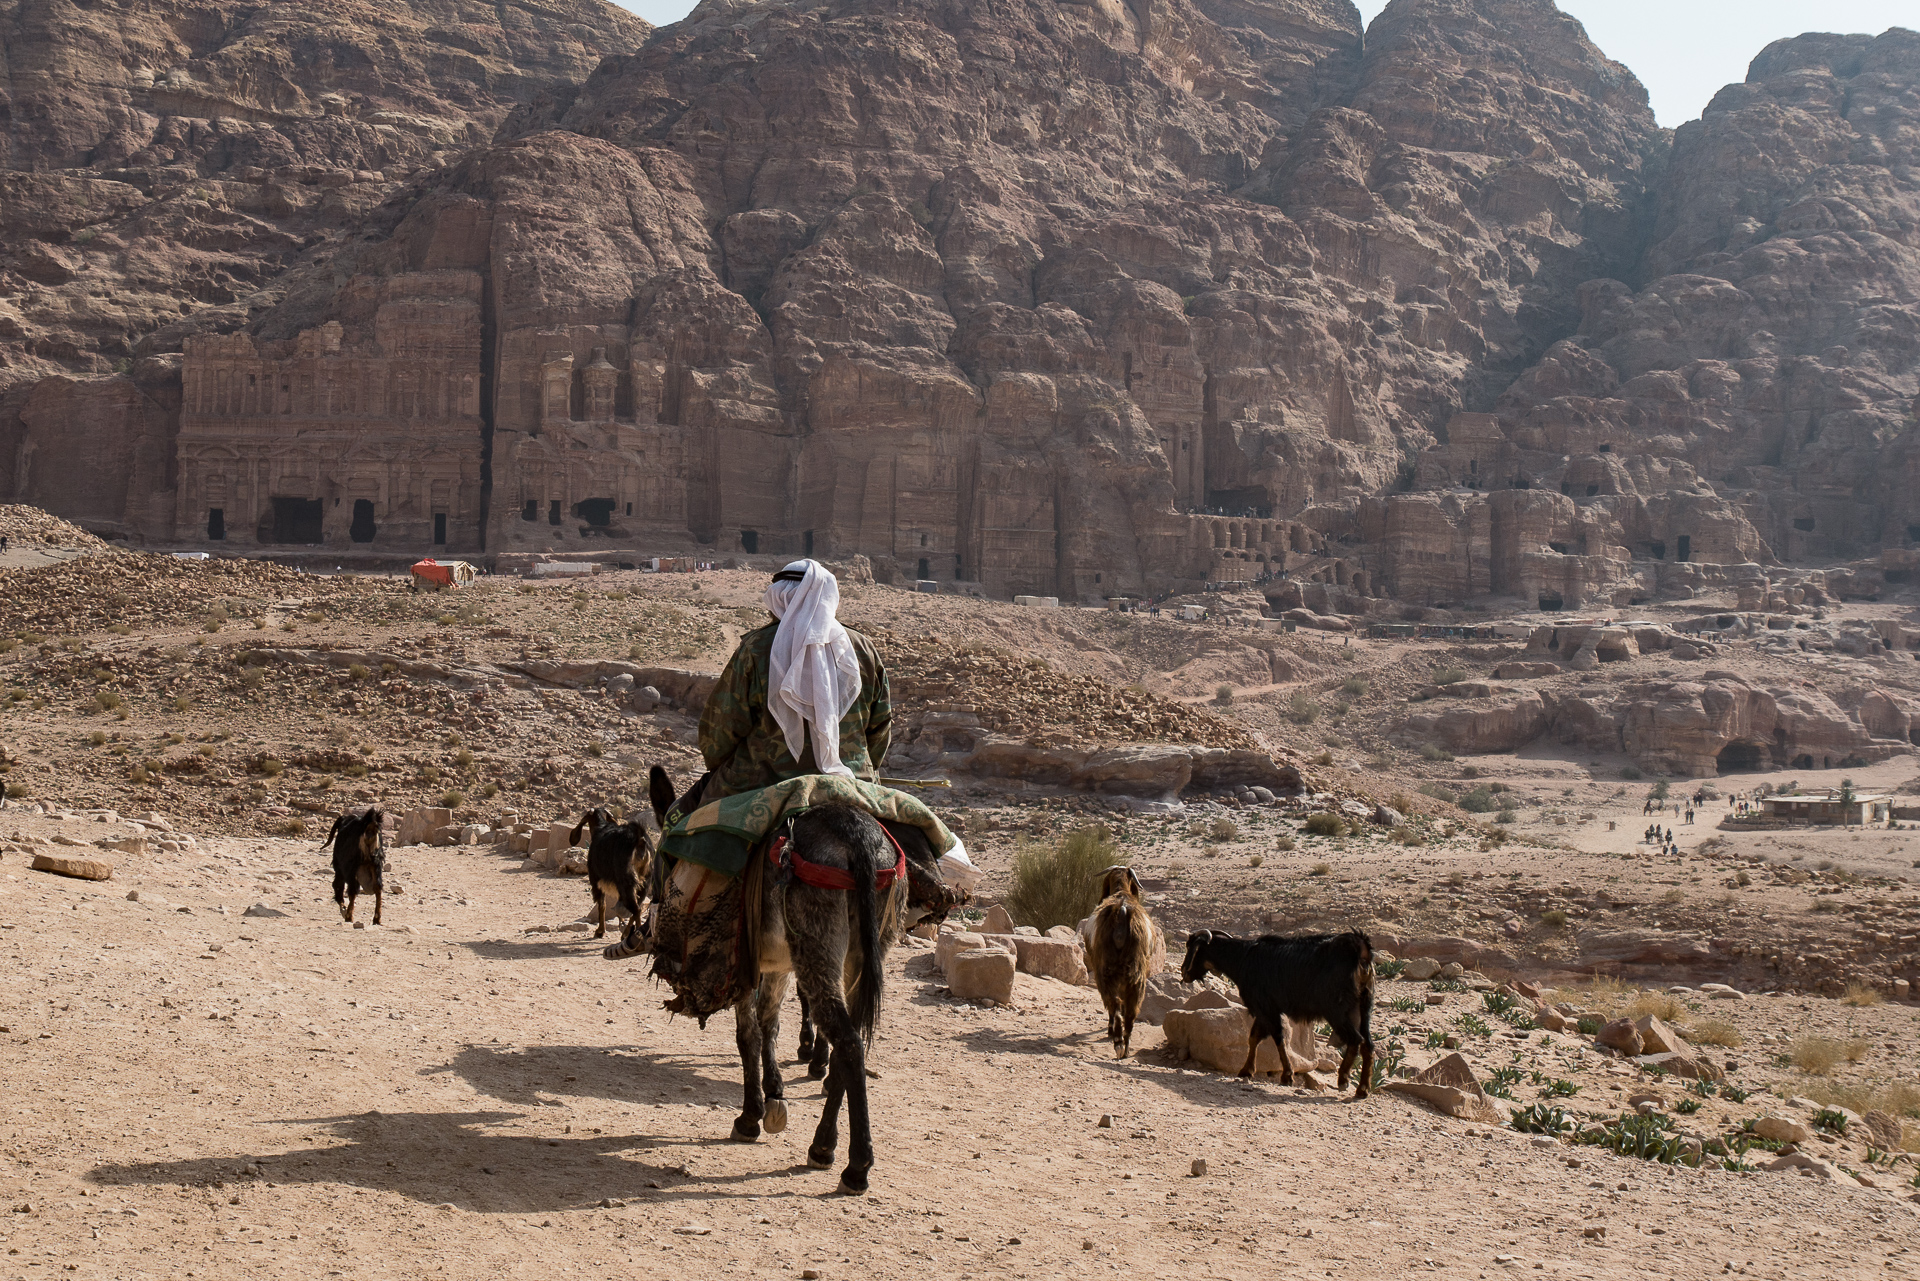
782 855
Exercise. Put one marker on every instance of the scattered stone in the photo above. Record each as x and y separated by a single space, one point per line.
1421 968
1106 1121
1199 1168
1621 1035
1449 1087
1782 1129
998 921
87 869
261 909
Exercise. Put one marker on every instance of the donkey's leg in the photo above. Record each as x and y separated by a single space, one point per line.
772 994
747 1034
806 1030
833 1017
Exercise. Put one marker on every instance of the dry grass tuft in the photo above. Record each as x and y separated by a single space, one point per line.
1819 1055
1861 994
1662 1005
1714 1032
1898 1098
1057 882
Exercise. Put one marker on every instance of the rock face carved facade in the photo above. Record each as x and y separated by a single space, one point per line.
1083 301
313 440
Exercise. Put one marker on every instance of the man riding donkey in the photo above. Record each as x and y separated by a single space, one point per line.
788 863
800 719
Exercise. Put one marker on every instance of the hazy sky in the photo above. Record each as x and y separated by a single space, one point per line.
1682 50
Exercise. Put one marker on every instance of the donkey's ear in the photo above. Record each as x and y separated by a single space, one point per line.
660 792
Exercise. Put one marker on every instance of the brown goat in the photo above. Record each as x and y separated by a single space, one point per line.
1119 949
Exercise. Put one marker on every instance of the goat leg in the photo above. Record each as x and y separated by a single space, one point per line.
378 895
1347 1053
1256 1034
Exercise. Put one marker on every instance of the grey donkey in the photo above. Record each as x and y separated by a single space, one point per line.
832 944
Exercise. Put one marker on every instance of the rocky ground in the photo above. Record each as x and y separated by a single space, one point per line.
203 720
221 1076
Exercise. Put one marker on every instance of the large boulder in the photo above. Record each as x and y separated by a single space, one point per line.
982 974
1213 1030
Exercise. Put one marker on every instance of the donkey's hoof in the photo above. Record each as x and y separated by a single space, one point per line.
819 1160
816 1071
852 1184
776 1117
744 1130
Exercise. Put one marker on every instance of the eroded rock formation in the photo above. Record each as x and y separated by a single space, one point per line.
1068 299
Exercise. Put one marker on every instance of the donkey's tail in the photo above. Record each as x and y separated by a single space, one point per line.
867 848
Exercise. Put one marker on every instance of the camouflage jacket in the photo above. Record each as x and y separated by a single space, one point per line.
742 743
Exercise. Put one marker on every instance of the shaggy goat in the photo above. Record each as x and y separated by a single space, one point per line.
358 862
619 859
1119 948
1312 976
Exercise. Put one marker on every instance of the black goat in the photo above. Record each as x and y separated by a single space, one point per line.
619 859
358 861
1312 976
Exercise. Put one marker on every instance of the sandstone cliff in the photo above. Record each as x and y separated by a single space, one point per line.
162 165
1078 299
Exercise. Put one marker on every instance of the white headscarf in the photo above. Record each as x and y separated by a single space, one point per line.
816 674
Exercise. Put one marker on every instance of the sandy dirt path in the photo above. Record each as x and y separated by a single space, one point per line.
200 1093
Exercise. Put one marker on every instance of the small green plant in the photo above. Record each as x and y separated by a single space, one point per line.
464 758
1478 801
452 800
1559 1088
1389 969
1540 1118
1057 882
1589 1024
1660 790
1434 752
1705 1089
1831 1120
1406 1005
1448 675
1354 686
271 767
1222 829
1224 696
1631 773
1734 1094
358 672
1473 1025
1554 919
1302 709
356 770
1445 985
1499 1004
98 738
1324 824
1436 1040
1687 1107
106 700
